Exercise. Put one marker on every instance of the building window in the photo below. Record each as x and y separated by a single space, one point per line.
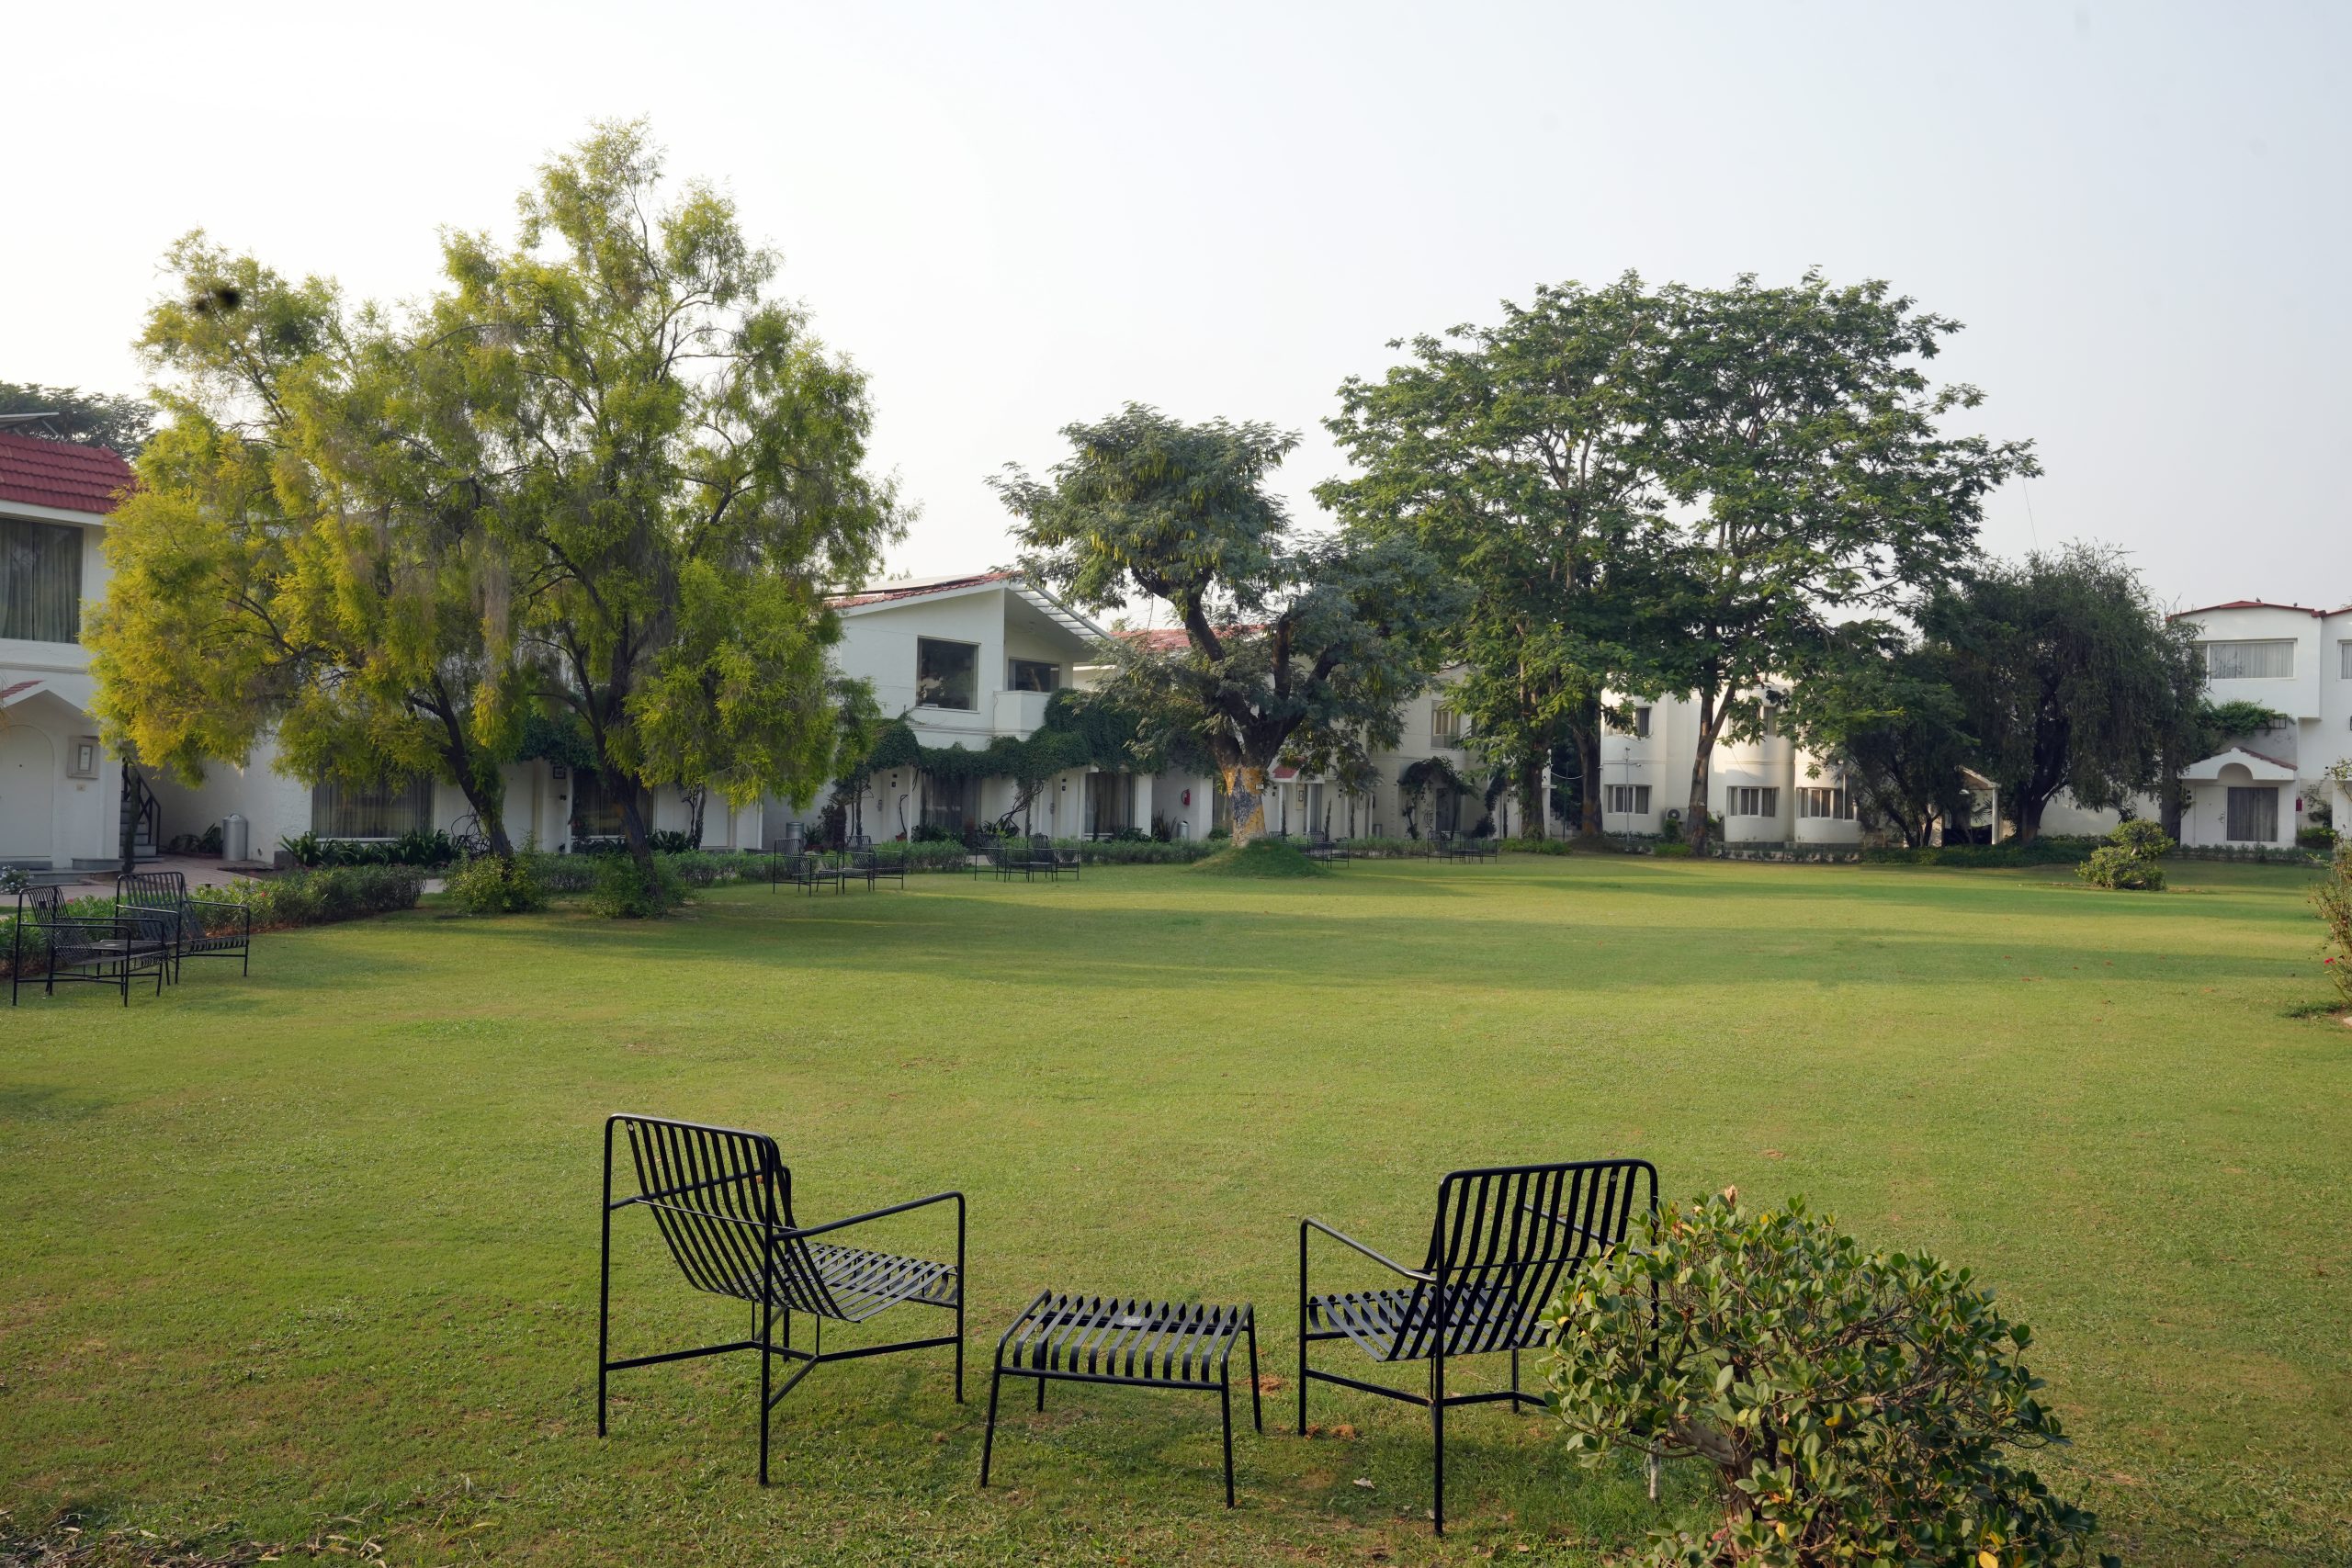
596 810
2253 816
1629 800
946 675
1831 803
1752 800
1031 675
41 582
2271 660
2345 649
952 804
1636 723
383 809
1445 725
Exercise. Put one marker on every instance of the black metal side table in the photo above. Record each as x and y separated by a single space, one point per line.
1138 1344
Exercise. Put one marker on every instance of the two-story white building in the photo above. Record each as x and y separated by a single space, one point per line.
61 790
1769 791
2297 663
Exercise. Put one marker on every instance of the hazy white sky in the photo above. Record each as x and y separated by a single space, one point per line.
1016 216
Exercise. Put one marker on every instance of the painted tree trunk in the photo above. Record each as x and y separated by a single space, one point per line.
1244 795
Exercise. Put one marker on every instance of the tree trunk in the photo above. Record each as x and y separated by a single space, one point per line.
490 810
2029 817
1694 817
1245 795
1534 815
635 831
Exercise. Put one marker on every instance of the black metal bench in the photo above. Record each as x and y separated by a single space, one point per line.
1060 1337
1506 1239
196 928
1014 857
879 865
1456 847
808 872
1322 846
85 951
722 1201
1059 861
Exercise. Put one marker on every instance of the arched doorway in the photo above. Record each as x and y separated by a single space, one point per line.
28 794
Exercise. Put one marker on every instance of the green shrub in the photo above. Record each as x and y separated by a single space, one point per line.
1140 850
2050 849
2142 837
1857 1406
2318 837
1672 849
1261 857
624 891
488 886
290 898
2114 867
2333 898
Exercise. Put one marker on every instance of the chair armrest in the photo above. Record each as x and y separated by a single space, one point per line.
1345 1240
245 909
805 1231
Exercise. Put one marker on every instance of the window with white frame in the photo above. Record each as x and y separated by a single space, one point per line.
1636 722
2271 659
1445 725
2252 817
1755 800
946 675
41 582
382 809
1031 675
1830 802
2344 647
1629 800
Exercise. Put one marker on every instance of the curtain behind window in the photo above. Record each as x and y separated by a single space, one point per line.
384 810
41 582
2253 816
2265 660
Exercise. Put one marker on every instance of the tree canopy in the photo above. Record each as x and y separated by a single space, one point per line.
1517 455
1298 648
89 419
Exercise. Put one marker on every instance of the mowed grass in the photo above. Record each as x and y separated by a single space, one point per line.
317 1251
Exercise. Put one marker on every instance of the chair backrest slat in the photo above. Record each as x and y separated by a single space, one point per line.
1504 1239
722 1201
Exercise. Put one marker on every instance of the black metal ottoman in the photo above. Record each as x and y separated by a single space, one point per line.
1139 1344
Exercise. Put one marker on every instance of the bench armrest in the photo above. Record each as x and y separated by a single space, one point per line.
803 1232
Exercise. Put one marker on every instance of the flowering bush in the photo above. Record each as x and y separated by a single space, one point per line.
1857 1406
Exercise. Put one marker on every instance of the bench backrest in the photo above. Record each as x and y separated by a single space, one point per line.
722 1200
1505 1238
165 890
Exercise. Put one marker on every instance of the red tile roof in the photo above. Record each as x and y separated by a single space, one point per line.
1174 639
884 593
60 474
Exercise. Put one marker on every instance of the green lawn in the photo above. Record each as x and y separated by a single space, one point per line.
322 1246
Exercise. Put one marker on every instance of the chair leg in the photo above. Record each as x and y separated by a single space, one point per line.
767 1324
988 1442
1514 1379
1225 1398
1302 1331
1257 1414
1437 1436
1041 1396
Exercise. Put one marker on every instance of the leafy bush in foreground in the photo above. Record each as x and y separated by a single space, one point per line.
488 886
2333 898
624 891
1857 1406
293 898
2127 862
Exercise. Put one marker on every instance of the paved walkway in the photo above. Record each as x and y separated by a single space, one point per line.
201 871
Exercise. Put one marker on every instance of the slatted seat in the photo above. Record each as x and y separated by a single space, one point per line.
879 865
808 872
721 1201
1062 1336
1505 1240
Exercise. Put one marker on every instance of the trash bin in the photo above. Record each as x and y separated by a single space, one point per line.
235 838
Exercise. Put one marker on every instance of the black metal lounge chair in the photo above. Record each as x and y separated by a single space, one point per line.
879 865
1456 847
722 1201
196 928
809 873
1505 1238
1059 861
1018 857
101 952
1322 846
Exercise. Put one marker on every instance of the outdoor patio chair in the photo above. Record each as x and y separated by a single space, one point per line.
1506 1238
1014 857
879 865
195 928
722 1201
809 873
83 951
1322 846
1058 860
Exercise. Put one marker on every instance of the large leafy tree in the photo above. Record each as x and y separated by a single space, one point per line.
303 553
89 419
2070 679
1815 485
1515 454
676 469
1887 713
1301 648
